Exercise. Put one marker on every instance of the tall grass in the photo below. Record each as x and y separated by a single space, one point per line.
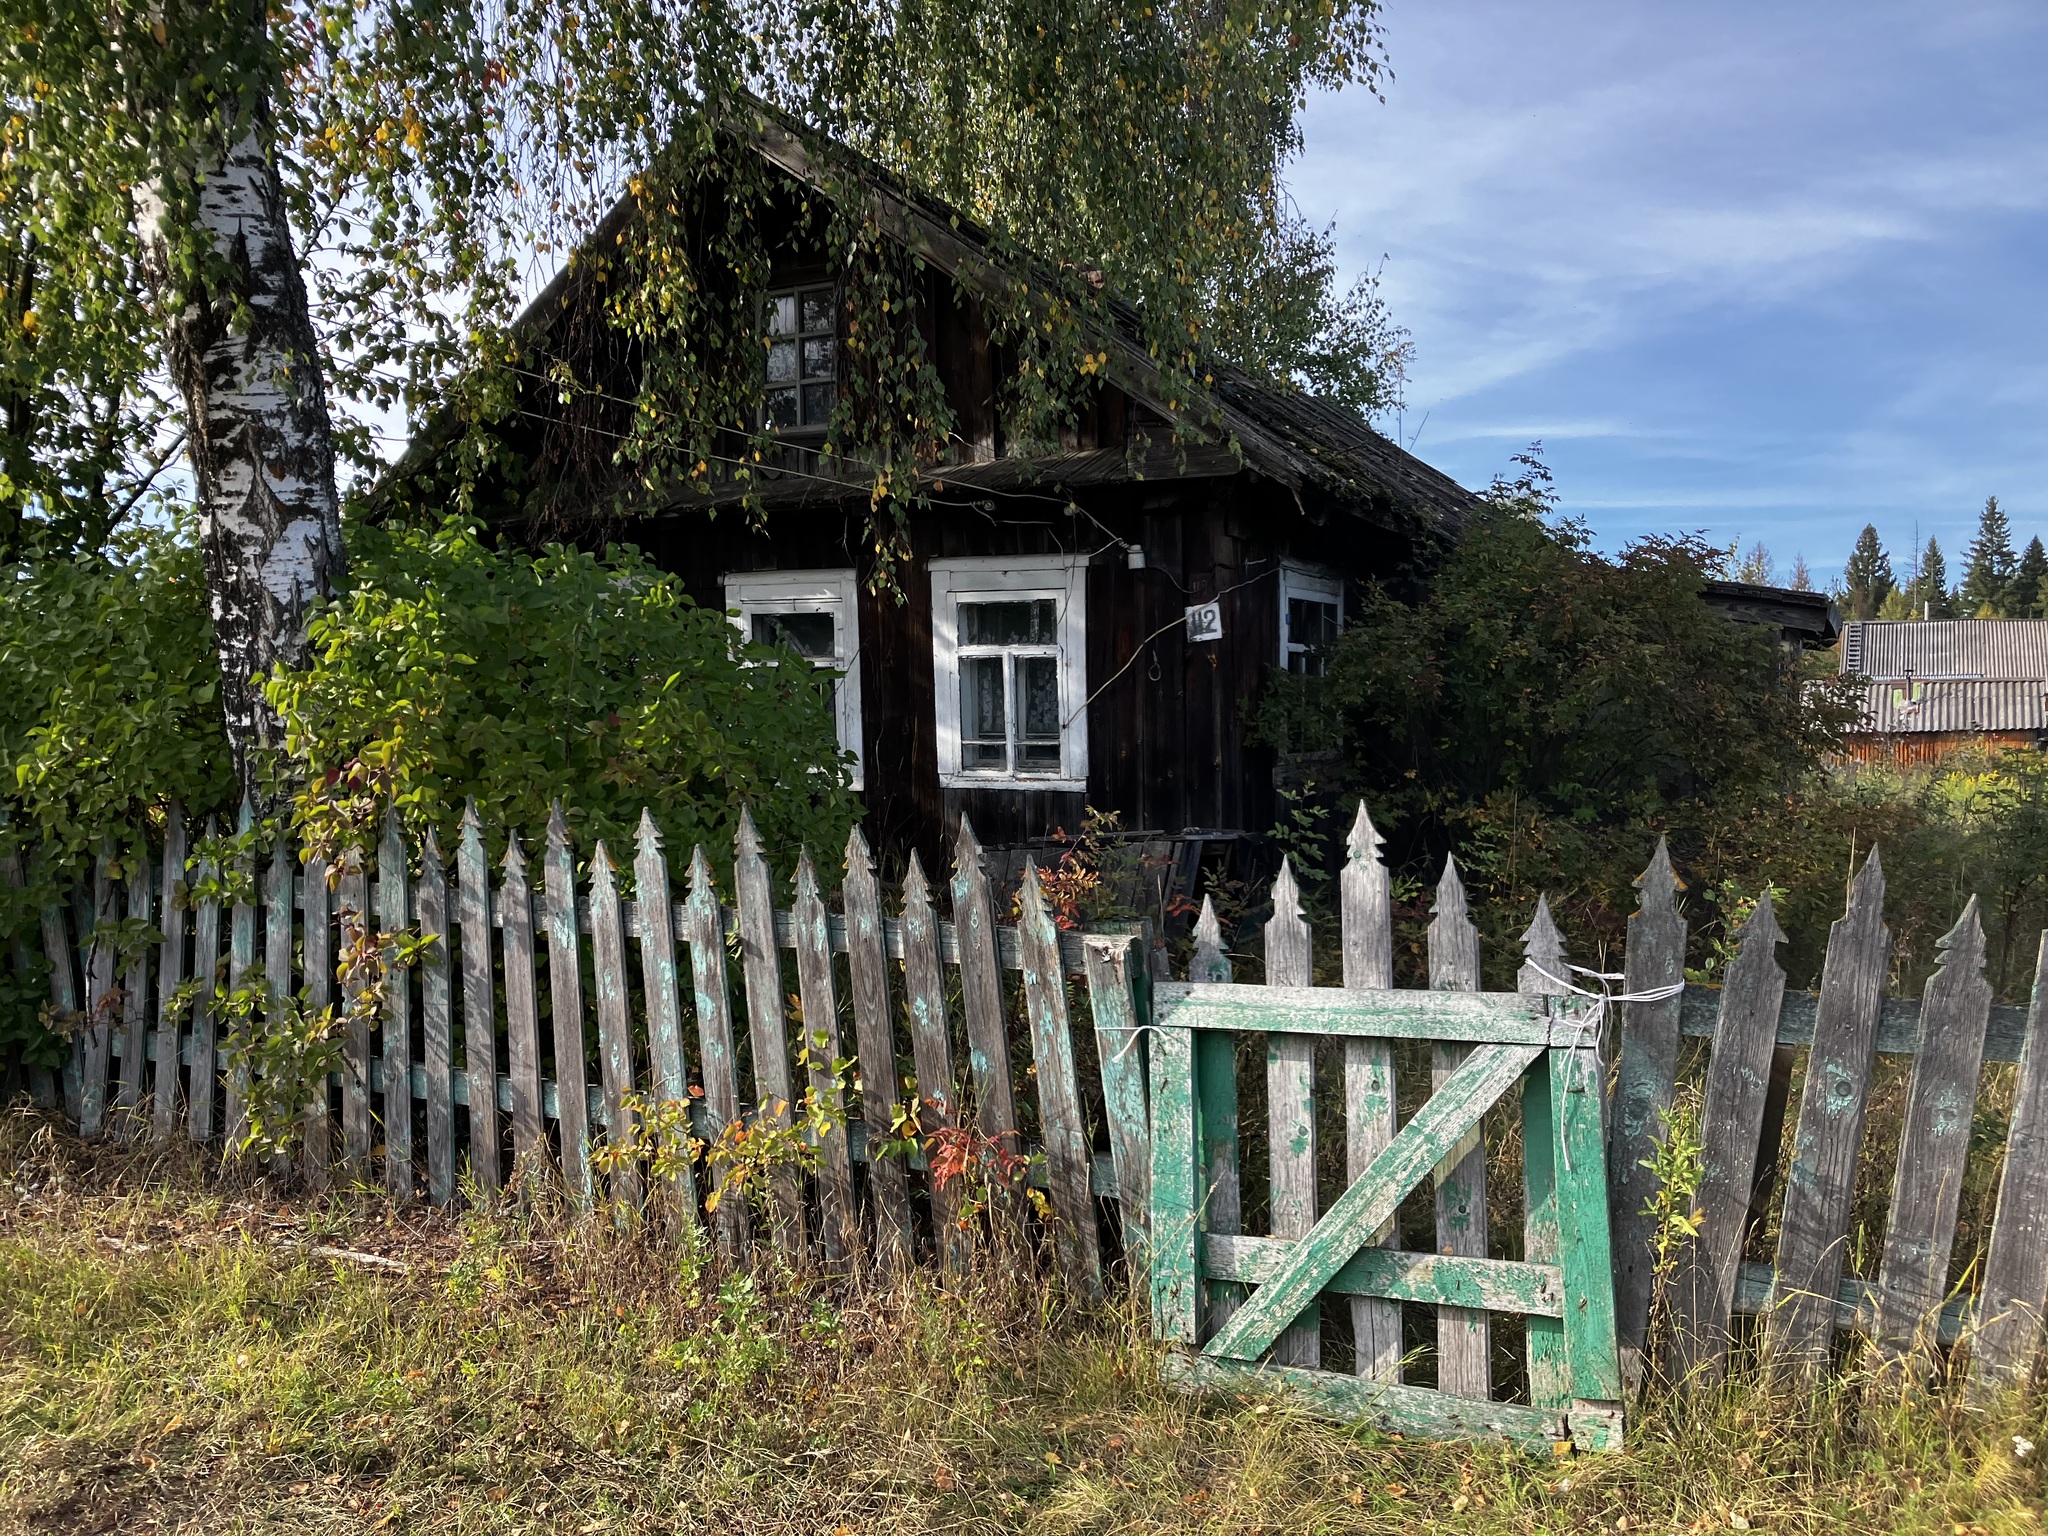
180 1353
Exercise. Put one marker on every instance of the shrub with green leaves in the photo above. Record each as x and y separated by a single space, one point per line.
452 669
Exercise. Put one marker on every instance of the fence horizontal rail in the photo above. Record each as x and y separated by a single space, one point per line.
1898 1023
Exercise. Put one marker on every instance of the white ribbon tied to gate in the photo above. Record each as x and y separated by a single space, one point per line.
1586 1030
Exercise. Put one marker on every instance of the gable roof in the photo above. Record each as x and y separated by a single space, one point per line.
1299 440
1946 648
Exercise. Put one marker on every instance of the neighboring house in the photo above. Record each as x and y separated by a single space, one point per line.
1085 628
1935 687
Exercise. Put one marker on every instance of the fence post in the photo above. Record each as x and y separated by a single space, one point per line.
1464 1337
479 1012
761 969
1214 1063
614 1020
1059 1096
714 1037
1369 1113
1814 1225
1542 975
671 1081
1115 966
170 976
981 1000
522 1017
135 1004
821 1043
394 916
1291 1107
1731 1118
96 1037
1934 1146
1654 958
203 1080
868 972
437 1025
938 1091
565 991
352 911
2014 1297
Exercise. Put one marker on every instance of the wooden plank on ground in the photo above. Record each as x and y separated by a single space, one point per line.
867 969
170 974
2013 1302
1116 969
1731 1120
202 1078
839 1221
565 994
1464 1338
767 1028
1821 1181
437 1025
1291 1108
938 1092
1215 1067
1177 1195
670 1078
1420 1146
1060 1118
981 1001
522 1017
479 1009
1934 1145
394 919
714 1038
614 1023
1646 1075
1414 1413
1543 968
1366 897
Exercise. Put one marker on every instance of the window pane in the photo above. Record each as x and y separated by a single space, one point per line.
1038 680
782 315
1022 623
818 310
1310 622
820 360
818 404
782 363
808 634
1305 663
984 737
781 407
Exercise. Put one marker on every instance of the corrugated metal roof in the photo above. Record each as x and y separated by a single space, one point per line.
1913 707
1946 648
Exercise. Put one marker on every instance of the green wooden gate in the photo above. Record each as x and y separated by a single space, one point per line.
1244 1308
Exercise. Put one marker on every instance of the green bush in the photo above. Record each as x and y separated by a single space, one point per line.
452 669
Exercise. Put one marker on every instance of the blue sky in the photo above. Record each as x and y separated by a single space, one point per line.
1764 271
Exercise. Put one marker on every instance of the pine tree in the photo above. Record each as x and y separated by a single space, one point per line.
1867 578
1801 579
1988 578
2026 586
1757 567
1927 593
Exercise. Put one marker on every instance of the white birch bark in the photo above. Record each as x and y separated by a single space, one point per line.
241 349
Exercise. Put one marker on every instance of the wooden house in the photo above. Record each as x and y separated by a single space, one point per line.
1933 688
1088 627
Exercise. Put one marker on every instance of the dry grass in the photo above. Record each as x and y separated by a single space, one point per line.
179 1356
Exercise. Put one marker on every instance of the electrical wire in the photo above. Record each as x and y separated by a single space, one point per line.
1139 649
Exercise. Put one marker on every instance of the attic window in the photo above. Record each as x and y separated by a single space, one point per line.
803 358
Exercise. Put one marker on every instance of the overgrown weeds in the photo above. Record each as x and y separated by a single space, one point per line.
177 1353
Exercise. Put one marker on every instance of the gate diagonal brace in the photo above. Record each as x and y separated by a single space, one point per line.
1366 1206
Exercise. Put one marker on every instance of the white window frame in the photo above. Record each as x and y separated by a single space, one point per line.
748 593
1314 584
1013 578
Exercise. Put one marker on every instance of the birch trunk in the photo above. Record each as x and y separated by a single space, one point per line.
241 349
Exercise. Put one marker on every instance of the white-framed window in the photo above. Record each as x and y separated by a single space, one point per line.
1010 661
1311 618
815 613
803 358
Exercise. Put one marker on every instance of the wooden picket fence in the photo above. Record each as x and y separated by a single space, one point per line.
482 1061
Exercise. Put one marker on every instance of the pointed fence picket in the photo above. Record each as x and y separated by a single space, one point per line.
476 1081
